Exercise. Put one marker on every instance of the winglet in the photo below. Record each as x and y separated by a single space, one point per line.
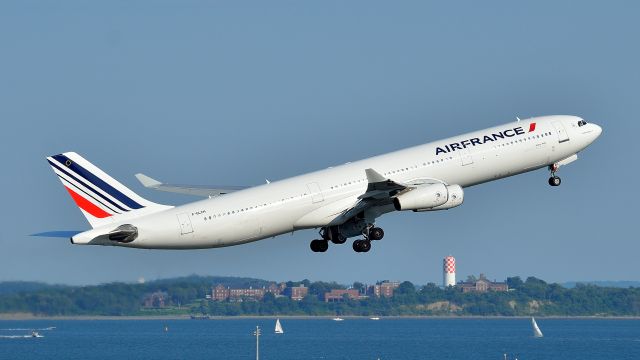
147 181
374 177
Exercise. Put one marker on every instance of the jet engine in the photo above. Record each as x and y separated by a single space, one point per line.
430 198
456 197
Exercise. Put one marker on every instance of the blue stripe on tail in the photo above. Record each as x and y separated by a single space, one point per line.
84 183
62 159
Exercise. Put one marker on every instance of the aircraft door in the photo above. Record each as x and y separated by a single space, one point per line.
465 157
562 132
316 193
185 224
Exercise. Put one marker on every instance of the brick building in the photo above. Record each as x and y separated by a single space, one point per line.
337 295
482 285
223 293
296 293
384 288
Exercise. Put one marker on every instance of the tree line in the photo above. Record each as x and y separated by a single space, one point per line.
187 295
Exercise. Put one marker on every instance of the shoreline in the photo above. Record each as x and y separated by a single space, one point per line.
23 317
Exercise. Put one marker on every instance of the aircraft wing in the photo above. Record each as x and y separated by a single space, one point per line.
380 193
197 190
380 187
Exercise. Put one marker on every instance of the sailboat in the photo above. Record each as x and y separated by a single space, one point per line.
278 327
536 330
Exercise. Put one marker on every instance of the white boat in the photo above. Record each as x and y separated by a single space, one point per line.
337 319
278 327
35 334
374 318
536 330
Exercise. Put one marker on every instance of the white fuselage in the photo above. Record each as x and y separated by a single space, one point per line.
317 199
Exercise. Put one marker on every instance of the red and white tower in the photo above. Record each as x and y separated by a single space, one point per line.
449 271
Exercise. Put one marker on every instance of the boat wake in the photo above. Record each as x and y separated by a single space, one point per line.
29 329
19 336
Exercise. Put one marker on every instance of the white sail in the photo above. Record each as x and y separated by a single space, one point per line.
279 327
536 329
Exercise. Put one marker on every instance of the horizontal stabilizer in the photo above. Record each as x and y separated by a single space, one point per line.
197 190
58 234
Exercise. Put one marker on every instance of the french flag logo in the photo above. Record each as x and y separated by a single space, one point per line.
532 127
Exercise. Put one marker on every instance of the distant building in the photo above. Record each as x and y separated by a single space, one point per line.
223 293
448 271
296 293
383 289
337 295
482 285
219 293
157 299
276 289
250 293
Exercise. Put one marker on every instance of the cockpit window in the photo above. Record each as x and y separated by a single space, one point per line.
582 123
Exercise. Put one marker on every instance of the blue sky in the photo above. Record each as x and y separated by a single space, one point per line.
235 92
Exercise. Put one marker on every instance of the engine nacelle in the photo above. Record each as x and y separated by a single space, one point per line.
431 197
422 197
456 197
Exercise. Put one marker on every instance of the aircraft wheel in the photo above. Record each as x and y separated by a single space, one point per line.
376 233
356 246
361 245
365 246
319 245
555 181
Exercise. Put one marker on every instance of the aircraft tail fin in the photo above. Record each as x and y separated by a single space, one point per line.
101 198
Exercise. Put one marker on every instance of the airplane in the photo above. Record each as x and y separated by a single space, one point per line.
342 202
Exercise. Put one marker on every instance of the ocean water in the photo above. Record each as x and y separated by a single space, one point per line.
583 339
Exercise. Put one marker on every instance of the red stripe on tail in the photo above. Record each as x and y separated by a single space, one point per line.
87 206
532 127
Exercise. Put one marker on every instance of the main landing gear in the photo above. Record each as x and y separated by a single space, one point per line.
370 233
333 234
554 180
319 245
328 234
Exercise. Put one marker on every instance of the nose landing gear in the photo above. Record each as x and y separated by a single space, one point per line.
554 180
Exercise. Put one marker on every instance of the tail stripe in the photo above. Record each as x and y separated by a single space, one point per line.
85 185
87 175
77 189
87 206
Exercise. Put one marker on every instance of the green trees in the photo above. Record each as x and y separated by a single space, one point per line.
188 295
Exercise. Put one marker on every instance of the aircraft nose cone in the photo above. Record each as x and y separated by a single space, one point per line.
597 130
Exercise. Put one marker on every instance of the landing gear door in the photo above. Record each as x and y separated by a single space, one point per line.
185 224
316 193
562 132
